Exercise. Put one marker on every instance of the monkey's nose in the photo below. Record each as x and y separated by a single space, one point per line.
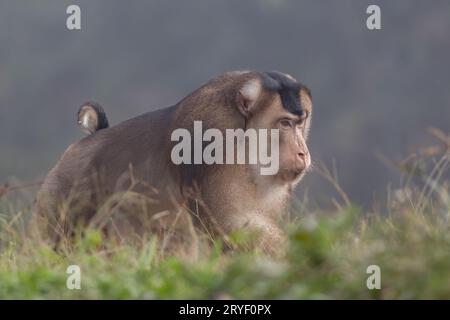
304 159
302 155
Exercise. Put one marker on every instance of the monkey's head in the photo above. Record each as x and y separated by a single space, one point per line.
273 100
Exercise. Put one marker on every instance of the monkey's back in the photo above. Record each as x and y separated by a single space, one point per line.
109 161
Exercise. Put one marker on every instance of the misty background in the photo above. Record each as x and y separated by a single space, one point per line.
373 91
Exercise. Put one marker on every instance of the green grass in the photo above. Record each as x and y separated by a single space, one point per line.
327 256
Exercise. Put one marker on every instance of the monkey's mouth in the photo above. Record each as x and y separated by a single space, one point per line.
292 174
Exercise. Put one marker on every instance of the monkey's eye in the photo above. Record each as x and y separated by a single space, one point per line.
286 123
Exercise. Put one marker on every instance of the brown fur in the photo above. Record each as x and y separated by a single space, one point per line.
134 156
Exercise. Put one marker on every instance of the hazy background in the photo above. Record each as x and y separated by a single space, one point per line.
374 91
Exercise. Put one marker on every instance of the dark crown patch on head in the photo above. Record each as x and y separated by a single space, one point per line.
288 89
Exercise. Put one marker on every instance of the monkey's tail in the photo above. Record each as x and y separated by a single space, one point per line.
92 117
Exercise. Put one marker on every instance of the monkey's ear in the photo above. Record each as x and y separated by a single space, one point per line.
247 96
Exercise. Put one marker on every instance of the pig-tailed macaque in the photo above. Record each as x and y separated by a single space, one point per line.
151 157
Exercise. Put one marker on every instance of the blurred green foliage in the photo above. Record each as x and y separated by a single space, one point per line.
327 259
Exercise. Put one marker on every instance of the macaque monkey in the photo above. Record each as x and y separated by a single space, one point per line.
135 157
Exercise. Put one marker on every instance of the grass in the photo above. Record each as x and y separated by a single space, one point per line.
328 255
